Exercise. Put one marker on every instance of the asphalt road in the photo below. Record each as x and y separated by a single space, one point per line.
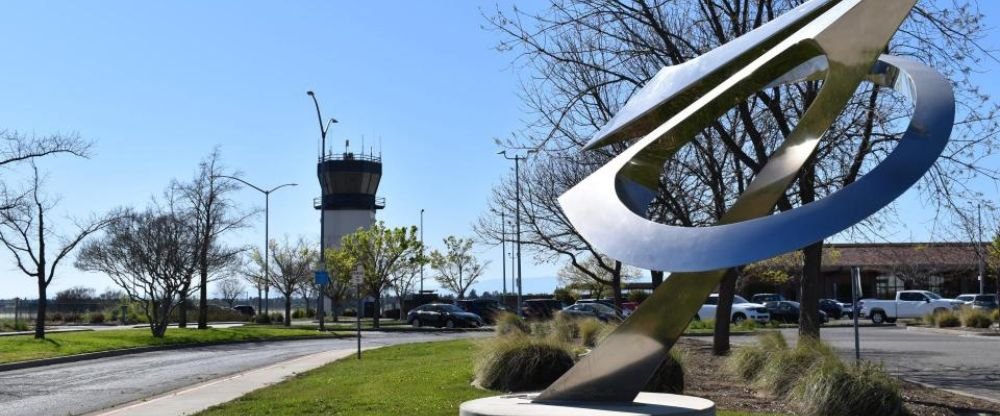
966 364
87 386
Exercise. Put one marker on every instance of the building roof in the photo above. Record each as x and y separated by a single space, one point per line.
941 256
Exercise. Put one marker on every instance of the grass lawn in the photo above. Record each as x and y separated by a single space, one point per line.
415 379
25 347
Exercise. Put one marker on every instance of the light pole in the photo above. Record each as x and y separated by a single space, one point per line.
322 211
267 237
503 257
981 252
421 247
517 215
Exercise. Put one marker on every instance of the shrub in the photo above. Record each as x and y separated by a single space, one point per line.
669 376
748 361
540 329
519 363
783 367
350 312
996 315
702 324
298 314
262 319
746 325
96 318
929 319
72 317
947 320
590 329
508 323
277 317
975 318
834 389
564 328
57 317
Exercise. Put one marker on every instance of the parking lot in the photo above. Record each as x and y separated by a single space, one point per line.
967 364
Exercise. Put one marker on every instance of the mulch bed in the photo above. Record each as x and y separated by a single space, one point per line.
705 377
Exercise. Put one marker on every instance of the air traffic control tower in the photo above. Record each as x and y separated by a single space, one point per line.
348 182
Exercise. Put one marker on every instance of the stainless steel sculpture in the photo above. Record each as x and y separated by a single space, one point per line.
839 41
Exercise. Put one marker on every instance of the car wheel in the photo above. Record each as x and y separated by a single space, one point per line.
739 318
416 322
449 324
878 317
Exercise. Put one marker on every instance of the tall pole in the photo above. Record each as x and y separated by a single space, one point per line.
855 282
517 215
421 245
982 254
322 209
503 258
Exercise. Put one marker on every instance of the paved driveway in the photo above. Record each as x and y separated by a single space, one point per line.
966 364
87 386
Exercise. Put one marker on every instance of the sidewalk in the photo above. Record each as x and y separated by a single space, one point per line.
193 399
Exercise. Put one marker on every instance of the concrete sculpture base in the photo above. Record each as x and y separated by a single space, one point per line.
646 404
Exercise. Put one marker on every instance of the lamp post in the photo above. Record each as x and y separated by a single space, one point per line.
322 212
421 247
503 257
517 215
267 237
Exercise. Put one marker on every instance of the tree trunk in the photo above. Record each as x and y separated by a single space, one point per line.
288 310
657 278
182 320
203 290
616 285
723 313
42 308
334 309
260 302
809 291
376 308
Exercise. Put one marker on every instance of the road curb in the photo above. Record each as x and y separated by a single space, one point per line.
955 392
138 350
953 332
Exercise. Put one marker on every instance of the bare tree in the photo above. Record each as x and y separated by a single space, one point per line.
230 289
292 267
596 280
404 278
213 214
27 236
457 268
148 255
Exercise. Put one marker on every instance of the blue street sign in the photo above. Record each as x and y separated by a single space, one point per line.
322 277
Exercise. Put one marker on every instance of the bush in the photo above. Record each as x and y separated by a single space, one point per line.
748 361
702 324
834 389
298 314
746 325
262 319
350 312
508 323
56 317
72 317
947 320
590 329
564 328
10 325
277 317
669 376
521 363
996 315
782 369
975 318
96 318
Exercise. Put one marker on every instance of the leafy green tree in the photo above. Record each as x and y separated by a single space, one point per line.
457 268
379 250
339 264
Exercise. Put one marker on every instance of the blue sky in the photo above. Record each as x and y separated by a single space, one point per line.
157 85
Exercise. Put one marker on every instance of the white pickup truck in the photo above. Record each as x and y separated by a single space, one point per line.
908 304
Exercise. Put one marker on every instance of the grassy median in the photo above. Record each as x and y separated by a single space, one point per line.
415 379
25 347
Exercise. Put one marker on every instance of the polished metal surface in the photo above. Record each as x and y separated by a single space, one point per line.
839 41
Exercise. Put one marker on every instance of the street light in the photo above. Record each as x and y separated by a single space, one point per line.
322 129
322 211
517 215
421 248
267 239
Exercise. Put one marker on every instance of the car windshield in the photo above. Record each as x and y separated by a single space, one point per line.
602 308
451 308
932 295
739 299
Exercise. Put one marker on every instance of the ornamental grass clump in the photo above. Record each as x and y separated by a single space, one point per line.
831 388
748 361
518 363
564 328
782 369
508 323
590 331
947 319
996 315
975 318
669 376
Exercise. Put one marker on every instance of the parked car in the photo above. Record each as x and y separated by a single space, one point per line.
541 308
788 312
908 304
628 308
488 309
987 302
443 315
597 310
766 297
245 309
832 308
742 310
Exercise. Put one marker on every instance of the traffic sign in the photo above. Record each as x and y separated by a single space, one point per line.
322 277
358 275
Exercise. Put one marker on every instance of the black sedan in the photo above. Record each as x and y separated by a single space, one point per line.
443 315
788 312
832 308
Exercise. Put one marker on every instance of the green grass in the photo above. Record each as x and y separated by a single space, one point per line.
415 379
25 347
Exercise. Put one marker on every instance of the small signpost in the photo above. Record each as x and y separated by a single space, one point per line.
855 294
322 278
357 276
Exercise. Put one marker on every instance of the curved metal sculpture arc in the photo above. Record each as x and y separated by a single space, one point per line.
604 206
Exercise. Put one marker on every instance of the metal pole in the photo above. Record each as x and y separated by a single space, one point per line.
855 282
982 254
322 260
421 245
517 197
267 254
357 288
503 258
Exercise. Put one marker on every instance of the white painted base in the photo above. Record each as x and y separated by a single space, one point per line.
646 404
